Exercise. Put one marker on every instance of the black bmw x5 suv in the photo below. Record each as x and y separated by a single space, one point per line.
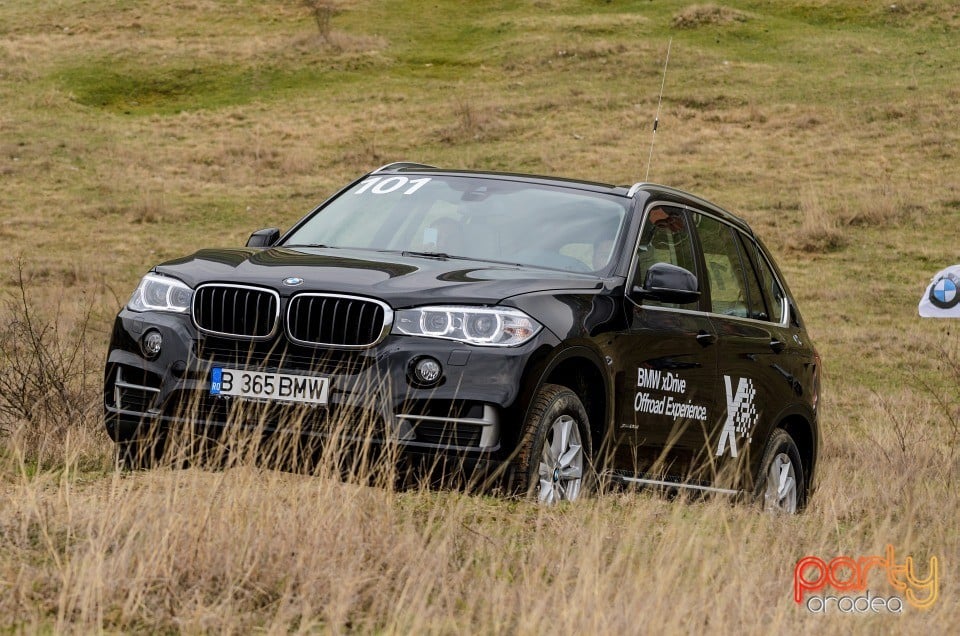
552 328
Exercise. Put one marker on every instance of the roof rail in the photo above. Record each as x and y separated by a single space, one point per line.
636 188
396 165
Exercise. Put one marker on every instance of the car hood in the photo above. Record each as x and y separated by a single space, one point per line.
400 280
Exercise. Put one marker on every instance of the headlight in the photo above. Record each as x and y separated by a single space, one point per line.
160 293
484 326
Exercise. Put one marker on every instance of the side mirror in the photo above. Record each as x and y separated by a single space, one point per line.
669 284
264 238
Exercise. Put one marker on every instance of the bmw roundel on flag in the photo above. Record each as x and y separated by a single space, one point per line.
942 298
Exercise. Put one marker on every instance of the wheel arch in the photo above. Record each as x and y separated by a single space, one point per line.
580 369
804 435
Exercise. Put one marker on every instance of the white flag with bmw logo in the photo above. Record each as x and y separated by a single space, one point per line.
942 298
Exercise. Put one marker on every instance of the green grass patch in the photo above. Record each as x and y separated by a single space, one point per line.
187 87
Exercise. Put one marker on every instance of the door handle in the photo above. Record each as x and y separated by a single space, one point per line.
777 345
706 339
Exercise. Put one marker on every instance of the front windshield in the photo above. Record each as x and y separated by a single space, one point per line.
472 217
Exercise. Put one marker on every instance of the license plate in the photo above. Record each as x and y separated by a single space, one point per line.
282 387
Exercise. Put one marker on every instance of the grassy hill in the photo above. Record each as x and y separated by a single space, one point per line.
132 133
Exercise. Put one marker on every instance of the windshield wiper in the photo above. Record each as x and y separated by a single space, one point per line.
442 255
309 245
428 254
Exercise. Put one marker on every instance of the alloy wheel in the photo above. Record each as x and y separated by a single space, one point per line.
781 492
561 462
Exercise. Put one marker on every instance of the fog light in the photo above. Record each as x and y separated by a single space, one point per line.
150 343
427 370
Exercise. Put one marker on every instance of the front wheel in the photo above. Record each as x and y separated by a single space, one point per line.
554 453
780 488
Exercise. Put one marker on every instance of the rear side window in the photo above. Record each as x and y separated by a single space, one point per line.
665 239
730 294
757 303
775 297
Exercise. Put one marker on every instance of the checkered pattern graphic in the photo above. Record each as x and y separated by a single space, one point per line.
746 414
741 415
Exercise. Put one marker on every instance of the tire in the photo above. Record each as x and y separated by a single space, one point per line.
781 485
553 456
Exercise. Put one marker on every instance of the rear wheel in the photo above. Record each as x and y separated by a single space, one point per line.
780 488
553 461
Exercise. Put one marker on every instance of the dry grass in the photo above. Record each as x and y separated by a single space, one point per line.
777 118
877 206
246 548
699 15
819 227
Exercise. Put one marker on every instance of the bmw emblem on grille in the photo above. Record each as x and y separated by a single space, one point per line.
292 281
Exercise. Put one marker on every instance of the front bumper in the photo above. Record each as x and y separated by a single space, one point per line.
372 394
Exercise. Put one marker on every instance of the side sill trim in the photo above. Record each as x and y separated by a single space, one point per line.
674 484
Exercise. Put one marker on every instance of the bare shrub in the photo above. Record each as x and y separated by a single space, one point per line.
470 120
699 15
946 403
323 12
361 153
473 123
150 208
46 385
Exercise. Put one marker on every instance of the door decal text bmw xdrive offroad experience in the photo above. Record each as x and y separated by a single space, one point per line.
667 383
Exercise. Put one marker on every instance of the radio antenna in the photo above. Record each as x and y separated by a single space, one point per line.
656 120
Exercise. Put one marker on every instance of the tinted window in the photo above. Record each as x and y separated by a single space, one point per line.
725 273
755 299
771 288
665 239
